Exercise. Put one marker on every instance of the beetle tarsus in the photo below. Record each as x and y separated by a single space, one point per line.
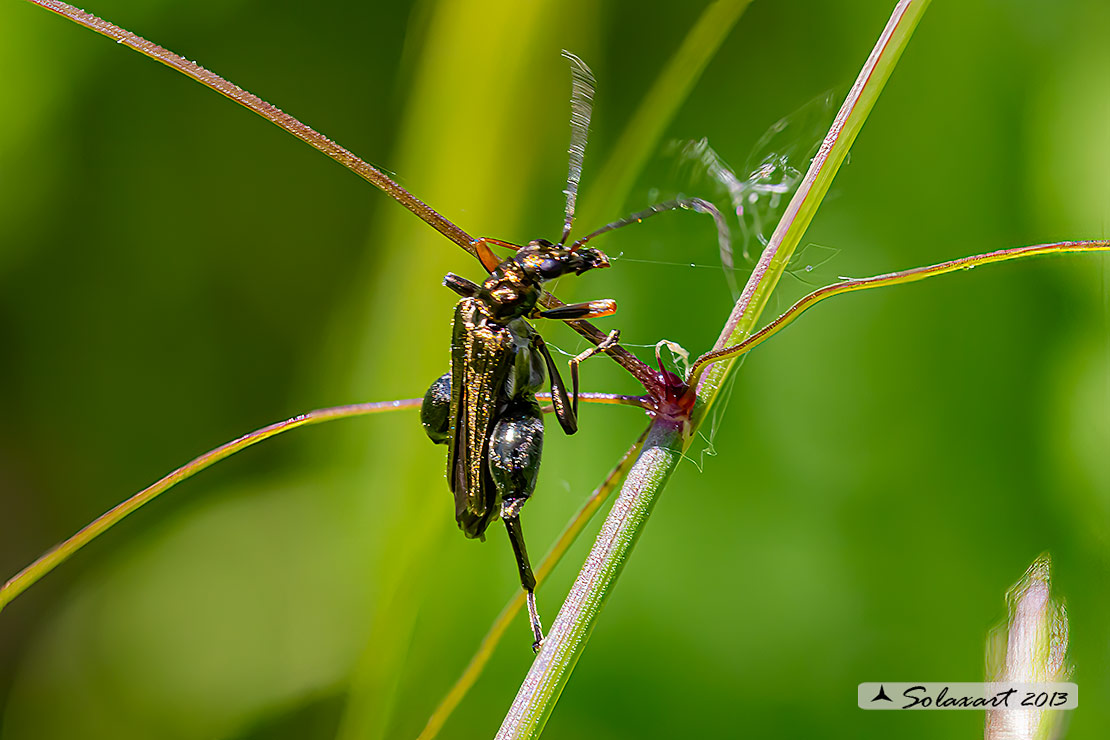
527 579
609 341
534 616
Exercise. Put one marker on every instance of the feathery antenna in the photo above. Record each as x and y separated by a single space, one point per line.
581 105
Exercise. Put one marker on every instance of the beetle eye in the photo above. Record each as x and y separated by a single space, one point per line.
551 268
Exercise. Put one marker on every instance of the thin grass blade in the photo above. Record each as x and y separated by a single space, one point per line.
642 134
51 560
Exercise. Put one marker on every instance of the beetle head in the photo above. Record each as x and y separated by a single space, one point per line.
544 261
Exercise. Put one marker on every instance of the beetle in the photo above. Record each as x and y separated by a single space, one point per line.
485 409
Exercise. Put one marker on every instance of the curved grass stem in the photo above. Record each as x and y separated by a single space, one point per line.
52 559
882 281
62 552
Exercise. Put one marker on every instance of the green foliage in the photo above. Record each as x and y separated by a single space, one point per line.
175 271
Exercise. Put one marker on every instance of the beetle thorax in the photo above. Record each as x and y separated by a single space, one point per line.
514 288
511 291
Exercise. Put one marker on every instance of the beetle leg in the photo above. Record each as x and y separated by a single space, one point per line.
461 285
564 409
435 412
486 256
609 341
576 311
588 310
527 579
514 463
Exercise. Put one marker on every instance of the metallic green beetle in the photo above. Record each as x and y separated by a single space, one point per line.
485 408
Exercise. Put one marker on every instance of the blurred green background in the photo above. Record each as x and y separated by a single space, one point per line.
175 271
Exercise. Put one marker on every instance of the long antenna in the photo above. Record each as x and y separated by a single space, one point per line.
724 239
692 204
581 105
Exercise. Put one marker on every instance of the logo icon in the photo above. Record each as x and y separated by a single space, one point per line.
881 696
